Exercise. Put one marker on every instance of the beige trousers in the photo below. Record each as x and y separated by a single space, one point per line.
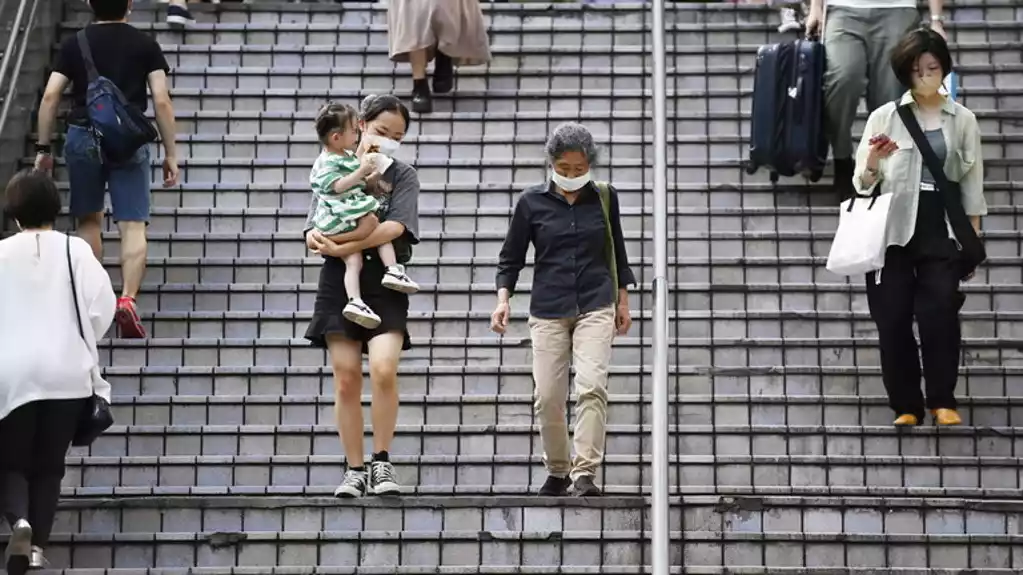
586 341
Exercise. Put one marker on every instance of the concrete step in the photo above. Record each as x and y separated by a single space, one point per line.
296 170
719 352
852 387
697 120
707 473
724 323
738 243
624 29
834 514
970 56
610 491
529 570
531 548
450 297
241 146
689 73
517 437
547 17
246 147
290 406
791 199
997 270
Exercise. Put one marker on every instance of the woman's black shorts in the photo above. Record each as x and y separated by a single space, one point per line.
331 298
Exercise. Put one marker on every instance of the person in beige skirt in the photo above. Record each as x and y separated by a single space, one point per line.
450 31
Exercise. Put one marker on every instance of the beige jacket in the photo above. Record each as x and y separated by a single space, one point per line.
900 172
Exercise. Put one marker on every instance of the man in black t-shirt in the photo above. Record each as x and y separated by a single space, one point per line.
131 60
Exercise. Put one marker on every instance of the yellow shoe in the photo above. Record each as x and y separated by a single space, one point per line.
946 417
906 420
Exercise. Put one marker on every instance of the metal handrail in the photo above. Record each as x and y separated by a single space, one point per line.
17 29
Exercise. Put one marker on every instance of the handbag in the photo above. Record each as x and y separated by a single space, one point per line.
971 248
859 244
96 416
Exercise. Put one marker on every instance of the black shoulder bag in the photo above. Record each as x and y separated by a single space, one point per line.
96 416
971 249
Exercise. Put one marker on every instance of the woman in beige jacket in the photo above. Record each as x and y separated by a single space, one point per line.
450 31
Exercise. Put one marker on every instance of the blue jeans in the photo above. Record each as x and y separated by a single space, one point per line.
129 183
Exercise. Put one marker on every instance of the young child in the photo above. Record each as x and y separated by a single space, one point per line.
346 212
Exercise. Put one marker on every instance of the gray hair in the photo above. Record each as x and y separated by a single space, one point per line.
571 137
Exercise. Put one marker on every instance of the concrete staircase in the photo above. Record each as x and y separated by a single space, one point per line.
224 456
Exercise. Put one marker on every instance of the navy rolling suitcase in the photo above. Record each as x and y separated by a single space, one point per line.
787 135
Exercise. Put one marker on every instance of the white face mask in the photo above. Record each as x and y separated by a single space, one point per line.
928 85
570 184
388 147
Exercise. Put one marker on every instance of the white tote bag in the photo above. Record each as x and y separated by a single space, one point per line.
859 244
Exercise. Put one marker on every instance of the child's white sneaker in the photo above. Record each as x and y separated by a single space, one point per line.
359 313
396 279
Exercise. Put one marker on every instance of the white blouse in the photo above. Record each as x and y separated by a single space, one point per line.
42 354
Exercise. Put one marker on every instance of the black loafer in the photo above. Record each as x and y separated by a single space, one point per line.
443 74
585 487
555 486
422 102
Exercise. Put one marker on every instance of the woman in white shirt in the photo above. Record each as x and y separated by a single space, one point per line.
923 263
50 368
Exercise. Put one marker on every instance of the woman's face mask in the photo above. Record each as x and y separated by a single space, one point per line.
570 184
928 84
927 76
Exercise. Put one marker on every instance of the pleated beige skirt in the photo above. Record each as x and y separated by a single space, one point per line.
455 27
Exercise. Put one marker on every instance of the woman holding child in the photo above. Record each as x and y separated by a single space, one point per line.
381 196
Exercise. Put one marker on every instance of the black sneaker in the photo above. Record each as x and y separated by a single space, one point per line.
355 484
179 16
585 487
555 486
383 479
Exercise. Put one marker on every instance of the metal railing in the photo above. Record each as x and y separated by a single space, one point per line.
660 502
24 61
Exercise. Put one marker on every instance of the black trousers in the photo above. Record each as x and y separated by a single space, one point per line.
924 284
34 439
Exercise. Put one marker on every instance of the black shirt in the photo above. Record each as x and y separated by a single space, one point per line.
122 53
570 274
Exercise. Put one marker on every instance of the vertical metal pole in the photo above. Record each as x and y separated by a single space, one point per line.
660 499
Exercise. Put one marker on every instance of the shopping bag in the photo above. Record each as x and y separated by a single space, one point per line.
859 244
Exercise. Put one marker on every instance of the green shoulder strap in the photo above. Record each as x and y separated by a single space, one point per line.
604 191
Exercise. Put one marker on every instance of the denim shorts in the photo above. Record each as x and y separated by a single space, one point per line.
129 183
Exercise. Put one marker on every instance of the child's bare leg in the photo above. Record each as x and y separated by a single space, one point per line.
387 255
356 310
395 277
353 269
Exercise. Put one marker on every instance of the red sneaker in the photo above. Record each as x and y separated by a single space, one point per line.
127 318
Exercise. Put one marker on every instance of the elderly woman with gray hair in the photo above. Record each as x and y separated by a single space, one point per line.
578 304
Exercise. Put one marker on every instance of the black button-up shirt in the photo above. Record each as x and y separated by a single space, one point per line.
570 276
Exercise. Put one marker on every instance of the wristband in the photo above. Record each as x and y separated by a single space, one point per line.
42 149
